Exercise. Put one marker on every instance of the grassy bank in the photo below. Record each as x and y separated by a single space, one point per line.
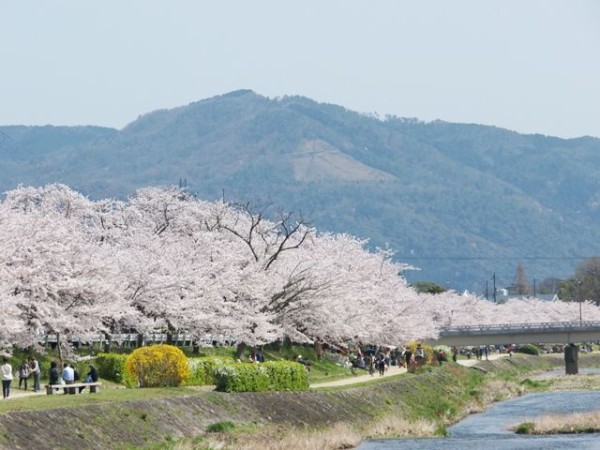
421 404
561 424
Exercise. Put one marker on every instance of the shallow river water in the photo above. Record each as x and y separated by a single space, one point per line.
489 429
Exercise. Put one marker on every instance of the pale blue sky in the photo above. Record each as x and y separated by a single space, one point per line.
529 66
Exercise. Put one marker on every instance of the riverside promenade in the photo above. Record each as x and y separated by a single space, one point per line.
395 370
392 370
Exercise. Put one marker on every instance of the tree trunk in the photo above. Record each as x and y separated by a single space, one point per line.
107 343
140 340
240 349
59 349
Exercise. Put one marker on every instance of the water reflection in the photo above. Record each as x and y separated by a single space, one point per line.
490 428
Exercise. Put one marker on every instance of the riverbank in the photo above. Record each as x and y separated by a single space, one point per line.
404 405
561 424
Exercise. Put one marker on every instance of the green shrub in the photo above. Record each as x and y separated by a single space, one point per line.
525 428
287 376
158 365
220 427
270 376
534 384
428 350
242 378
202 370
111 366
529 349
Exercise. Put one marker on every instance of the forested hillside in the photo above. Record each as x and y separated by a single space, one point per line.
461 202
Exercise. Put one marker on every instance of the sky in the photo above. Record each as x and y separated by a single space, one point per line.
528 66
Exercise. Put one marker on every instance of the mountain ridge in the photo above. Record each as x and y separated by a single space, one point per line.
462 201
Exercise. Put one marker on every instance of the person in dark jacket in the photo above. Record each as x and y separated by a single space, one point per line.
91 377
54 375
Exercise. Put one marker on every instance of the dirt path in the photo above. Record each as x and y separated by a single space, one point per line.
20 393
393 370
473 361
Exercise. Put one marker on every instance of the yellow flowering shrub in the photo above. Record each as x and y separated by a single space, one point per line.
158 365
427 349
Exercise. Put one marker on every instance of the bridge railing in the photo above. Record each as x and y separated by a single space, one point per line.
531 327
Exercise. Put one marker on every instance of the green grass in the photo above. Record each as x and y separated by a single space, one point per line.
106 395
220 427
323 370
524 428
536 384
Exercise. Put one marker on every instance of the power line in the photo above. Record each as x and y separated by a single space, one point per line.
494 258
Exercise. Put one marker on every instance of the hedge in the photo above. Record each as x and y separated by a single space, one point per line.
529 349
269 376
111 366
202 370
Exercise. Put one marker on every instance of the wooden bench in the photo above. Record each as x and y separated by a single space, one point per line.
94 387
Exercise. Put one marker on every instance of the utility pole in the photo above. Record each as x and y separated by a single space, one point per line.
579 298
494 278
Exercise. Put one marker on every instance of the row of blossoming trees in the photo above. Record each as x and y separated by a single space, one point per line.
166 260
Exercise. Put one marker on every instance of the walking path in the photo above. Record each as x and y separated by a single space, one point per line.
474 360
392 370
395 370
21 393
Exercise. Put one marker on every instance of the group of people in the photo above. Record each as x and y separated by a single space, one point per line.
256 355
28 368
31 368
373 359
70 375
379 359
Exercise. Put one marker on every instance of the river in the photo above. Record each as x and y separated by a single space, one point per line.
489 429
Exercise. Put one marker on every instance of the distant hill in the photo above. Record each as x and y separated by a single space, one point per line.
461 202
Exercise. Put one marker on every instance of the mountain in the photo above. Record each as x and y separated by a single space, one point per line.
460 201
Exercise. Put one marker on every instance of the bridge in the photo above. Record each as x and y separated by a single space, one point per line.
522 333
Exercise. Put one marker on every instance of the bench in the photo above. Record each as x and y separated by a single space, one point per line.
73 388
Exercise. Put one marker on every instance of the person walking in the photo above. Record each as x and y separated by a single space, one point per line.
35 371
7 376
318 348
23 374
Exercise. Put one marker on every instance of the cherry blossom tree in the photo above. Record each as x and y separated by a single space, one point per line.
165 260
53 274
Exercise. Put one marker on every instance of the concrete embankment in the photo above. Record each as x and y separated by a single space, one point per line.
443 391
